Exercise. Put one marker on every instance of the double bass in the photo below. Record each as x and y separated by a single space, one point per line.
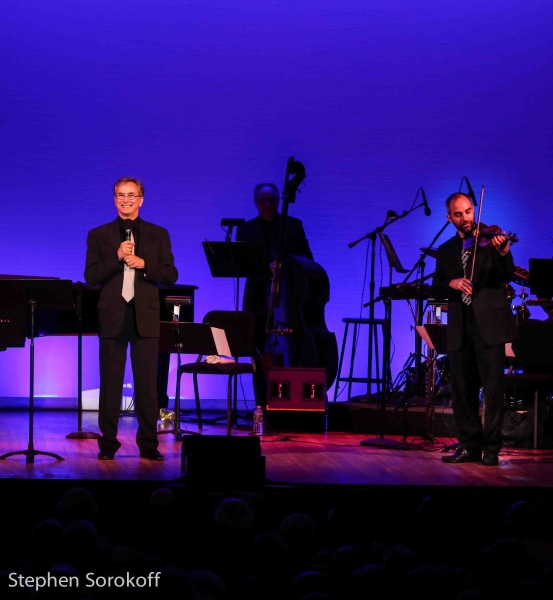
297 335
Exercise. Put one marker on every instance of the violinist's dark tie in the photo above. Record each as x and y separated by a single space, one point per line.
465 259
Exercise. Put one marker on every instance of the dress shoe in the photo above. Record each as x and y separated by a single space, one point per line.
106 455
462 455
490 458
152 455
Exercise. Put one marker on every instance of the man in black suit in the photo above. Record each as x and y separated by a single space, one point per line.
480 322
128 258
266 229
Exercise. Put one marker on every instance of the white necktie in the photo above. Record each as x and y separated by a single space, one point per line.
465 259
128 280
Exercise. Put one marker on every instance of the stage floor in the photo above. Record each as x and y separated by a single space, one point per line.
292 458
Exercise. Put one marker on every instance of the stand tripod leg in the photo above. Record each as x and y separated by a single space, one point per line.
176 429
229 406
197 399
30 453
80 434
381 441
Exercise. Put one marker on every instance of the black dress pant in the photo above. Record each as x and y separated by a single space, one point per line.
474 365
113 358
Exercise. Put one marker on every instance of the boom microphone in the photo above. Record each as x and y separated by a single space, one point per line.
471 193
427 210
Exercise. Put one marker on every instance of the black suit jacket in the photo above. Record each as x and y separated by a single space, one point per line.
489 299
105 269
255 290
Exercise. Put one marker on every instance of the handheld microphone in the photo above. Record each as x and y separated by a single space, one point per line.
128 229
427 210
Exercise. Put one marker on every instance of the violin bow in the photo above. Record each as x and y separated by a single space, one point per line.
477 234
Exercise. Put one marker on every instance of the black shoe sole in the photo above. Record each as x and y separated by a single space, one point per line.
155 458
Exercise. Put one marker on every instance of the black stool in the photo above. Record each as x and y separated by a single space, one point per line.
533 350
379 380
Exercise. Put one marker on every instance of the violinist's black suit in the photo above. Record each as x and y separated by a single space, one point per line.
257 289
121 323
476 337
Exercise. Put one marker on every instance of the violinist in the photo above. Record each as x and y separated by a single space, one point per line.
480 322
266 229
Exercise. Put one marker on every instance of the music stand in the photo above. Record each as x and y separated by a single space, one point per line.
435 337
393 258
80 434
44 293
184 338
382 441
237 259
420 264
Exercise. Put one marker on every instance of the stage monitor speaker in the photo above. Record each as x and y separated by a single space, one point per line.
296 398
223 463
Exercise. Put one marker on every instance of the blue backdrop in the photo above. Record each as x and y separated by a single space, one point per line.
202 100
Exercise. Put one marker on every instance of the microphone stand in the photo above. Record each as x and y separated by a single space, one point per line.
381 441
419 308
230 224
228 240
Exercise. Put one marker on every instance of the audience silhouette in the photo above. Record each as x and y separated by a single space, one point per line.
240 546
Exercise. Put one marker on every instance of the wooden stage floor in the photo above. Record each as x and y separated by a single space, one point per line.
313 473
292 459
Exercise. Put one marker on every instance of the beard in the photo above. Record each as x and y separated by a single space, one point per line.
466 228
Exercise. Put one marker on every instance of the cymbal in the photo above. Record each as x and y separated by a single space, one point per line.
433 252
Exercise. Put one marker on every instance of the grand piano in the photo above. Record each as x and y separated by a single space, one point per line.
78 317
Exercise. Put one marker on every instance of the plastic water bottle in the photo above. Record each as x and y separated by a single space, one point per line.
258 421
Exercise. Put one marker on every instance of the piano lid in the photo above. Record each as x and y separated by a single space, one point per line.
17 277
81 300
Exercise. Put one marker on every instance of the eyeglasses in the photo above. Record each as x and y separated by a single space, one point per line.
130 196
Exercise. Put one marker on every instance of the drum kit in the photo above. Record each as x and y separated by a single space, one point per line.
436 364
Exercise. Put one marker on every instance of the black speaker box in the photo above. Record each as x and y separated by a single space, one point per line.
223 463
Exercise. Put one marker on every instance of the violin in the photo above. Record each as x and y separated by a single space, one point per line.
485 234
481 235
